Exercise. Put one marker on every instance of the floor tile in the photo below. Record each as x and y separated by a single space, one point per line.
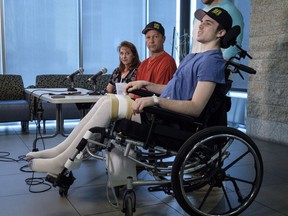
88 195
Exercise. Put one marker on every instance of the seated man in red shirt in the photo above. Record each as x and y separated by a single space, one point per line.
160 66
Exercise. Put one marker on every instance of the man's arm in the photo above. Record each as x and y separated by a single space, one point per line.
193 107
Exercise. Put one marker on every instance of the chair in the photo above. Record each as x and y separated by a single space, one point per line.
13 103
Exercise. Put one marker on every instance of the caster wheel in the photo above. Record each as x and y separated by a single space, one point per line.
129 203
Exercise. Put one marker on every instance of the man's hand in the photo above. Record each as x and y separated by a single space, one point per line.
135 85
140 103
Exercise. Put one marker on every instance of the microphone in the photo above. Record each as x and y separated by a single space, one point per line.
79 71
101 72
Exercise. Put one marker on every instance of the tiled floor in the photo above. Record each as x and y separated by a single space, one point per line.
87 196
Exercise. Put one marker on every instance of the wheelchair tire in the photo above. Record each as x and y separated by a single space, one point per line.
217 171
129 206
129 203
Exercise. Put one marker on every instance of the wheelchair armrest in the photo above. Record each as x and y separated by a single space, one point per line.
143 93
171 115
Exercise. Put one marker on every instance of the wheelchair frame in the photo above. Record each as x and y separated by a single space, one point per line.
217 171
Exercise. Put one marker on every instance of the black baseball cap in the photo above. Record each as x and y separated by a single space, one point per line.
154 26
218 14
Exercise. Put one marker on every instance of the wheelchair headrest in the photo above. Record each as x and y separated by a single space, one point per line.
230 38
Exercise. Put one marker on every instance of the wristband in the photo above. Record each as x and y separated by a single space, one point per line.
155 99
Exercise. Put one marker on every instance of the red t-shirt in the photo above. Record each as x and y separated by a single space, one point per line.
158 70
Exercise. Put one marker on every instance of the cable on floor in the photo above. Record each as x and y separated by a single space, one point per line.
4 157
35 181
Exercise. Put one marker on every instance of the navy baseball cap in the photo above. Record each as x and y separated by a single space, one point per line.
154 26
218 14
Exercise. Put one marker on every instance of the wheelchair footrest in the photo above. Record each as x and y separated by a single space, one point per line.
62 181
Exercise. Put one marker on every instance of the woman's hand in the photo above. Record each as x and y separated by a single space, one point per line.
140 103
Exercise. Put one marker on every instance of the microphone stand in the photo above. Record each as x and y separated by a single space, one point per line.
71 87
94 88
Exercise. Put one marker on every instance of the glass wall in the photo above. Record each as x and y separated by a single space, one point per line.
1 56
244 7
1 37
164 11
41 37
106 24
52 36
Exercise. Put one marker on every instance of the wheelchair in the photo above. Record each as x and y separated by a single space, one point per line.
210 169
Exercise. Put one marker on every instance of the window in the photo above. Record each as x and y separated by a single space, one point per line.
41 37
2 49
105 25
52 36
164 11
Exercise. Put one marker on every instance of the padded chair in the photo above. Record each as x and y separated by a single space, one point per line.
13 103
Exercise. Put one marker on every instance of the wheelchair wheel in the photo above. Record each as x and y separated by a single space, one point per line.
217 171
91 149
129 206
129 203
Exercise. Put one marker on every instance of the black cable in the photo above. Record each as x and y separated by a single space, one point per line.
39 111
34 181
4 157
39 133
39 118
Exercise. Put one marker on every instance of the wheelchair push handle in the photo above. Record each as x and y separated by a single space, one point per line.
242 67
240 55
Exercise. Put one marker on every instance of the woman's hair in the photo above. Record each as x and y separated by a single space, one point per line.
135 61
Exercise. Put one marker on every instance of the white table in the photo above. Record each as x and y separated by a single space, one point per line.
80 96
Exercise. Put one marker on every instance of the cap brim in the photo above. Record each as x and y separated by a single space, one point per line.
199 14
146 30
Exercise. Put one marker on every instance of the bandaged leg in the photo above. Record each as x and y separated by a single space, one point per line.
53 152
110 107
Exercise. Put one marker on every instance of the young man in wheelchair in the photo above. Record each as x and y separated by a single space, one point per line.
188 92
